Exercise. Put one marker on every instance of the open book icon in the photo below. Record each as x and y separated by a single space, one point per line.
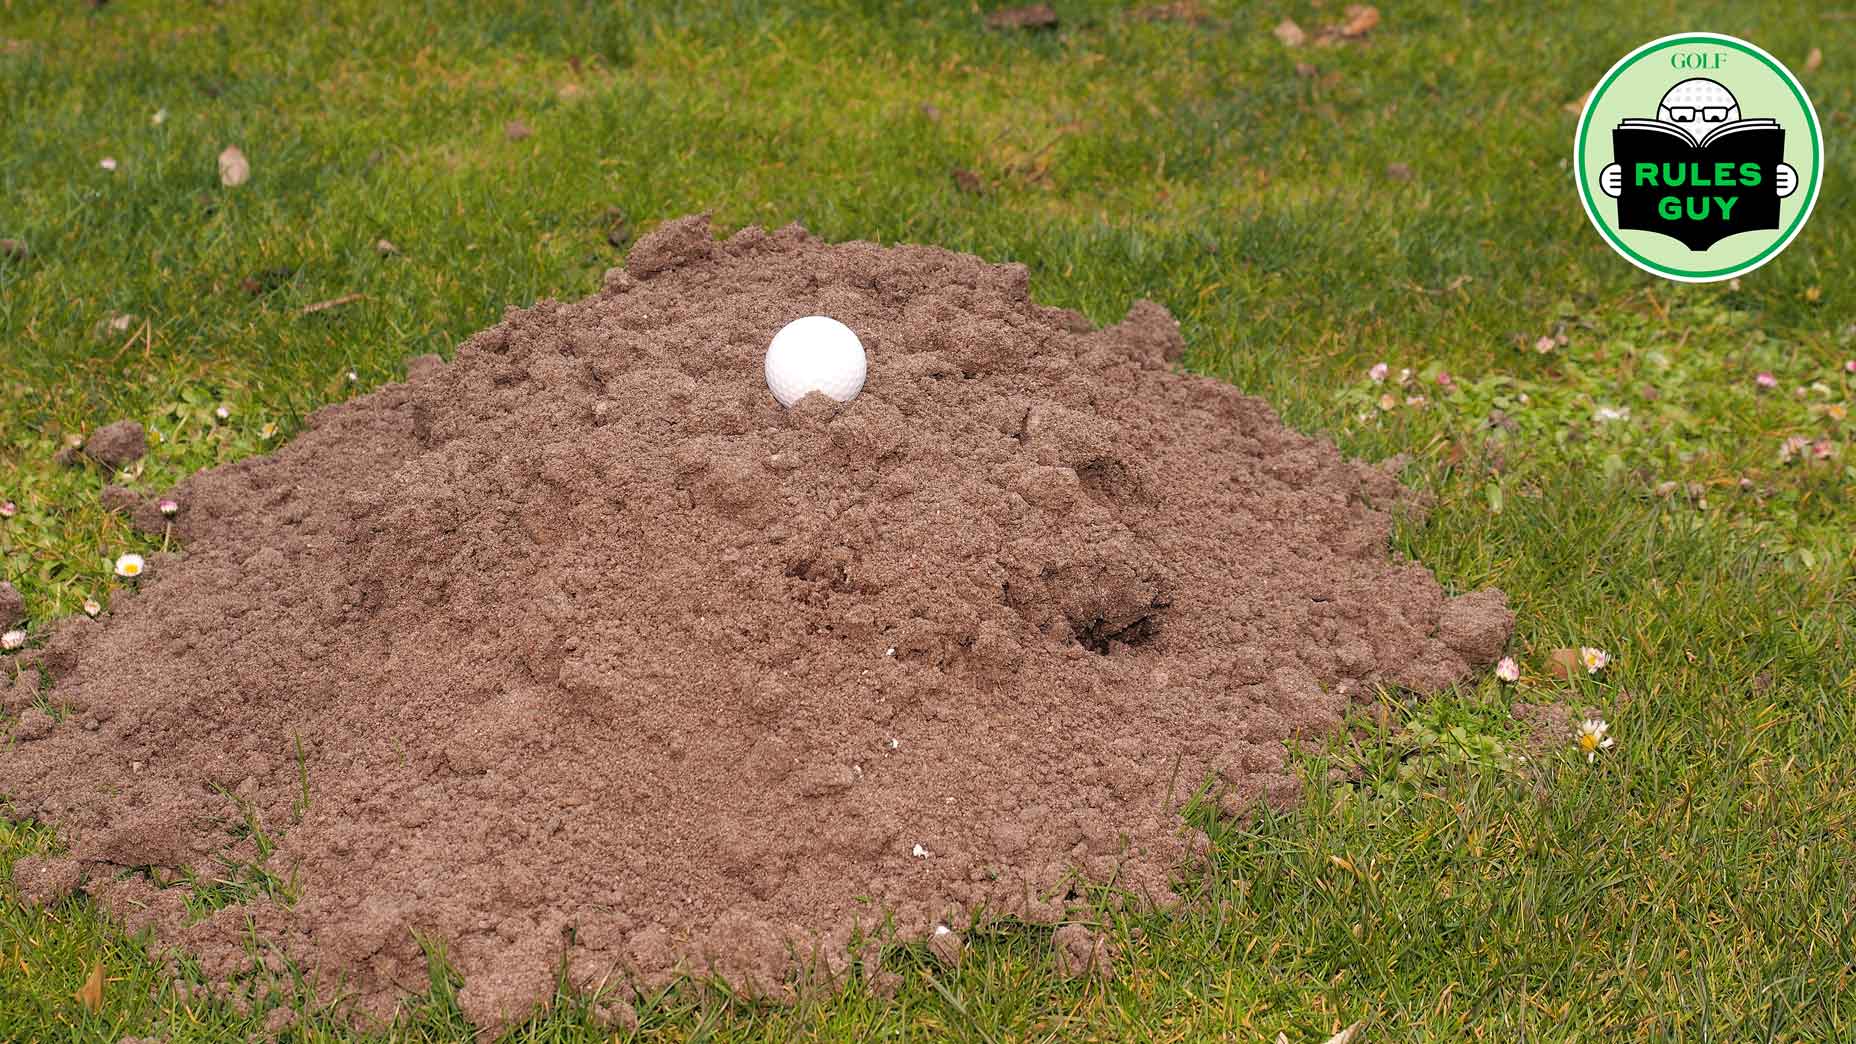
1698 191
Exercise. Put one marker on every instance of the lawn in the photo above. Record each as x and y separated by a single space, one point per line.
1597 440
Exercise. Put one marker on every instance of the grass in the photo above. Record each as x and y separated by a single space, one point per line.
1692 885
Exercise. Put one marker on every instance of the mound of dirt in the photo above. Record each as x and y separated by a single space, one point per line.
581 649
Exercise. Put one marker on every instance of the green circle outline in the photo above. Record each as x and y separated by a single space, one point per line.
1699 275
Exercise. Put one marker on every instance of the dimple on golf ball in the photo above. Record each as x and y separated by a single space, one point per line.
815 354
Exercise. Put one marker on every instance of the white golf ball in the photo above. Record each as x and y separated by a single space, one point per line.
815 354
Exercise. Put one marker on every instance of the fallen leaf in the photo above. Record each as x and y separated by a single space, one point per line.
90 994
385 248
1577 104
571 92
333 302
234 169
930 110
1350 1035
1398 171
1814 60
1036 16
1289 33
1282 1038
516 130
967 181
14 249
1304 69
1564 663
1361 19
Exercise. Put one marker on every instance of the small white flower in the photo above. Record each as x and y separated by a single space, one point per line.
1606 414
1378 373
1595 660
1591 738
1543 344
168 507
160 117
891 651
91 608
893 743
918 851
1388 402
12 639
223 413
130 566
8 509
269 429
1508 670
353 376
107 163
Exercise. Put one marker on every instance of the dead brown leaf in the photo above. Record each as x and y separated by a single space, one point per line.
14 249
234 168
1398 171
1815 60
385 248
1289 33
1564 663
1305 70
516 130
1036 16
1350 1035
1360 19
90 994
333 302
969 182
1577 104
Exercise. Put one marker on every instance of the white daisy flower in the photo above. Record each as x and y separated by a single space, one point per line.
1592 738
168 506
130 566
12 639
107 163
1508 670
1594 660
92 608
223 413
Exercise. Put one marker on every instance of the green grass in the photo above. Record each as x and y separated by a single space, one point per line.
1693 885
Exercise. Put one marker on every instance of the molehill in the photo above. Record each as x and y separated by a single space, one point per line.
581 649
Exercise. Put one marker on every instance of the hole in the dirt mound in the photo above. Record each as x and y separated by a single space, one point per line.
1108 478
1102 636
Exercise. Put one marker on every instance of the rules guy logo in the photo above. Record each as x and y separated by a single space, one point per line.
1698 157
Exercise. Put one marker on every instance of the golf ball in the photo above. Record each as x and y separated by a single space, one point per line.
815 354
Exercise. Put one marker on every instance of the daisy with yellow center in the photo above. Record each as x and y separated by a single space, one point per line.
91 607
130 566
1592 738
1594 660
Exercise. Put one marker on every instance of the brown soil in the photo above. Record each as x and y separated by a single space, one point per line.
592 652
117 445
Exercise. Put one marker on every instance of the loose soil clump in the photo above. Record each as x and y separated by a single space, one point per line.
581 650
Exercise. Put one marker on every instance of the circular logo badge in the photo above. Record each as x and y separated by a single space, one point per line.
1698 157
